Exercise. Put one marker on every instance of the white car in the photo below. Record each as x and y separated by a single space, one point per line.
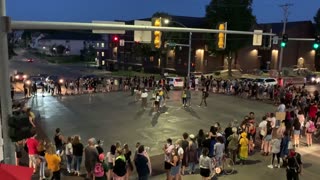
266 81
175 82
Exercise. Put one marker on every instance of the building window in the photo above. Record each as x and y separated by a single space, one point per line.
102 54
205 62
97 53
97 44
102 45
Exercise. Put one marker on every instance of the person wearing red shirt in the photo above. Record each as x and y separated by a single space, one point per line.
32 144
313 111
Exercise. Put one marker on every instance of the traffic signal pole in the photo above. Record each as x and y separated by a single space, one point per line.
285 8
6 146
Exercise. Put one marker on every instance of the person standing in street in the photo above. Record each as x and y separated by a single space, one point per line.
91 156
294 167
142 163
53 159
144 100
188 93
204 97
59 140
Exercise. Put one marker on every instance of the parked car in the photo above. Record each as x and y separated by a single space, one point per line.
266 81
175 82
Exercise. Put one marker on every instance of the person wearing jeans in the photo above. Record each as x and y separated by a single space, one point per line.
77 147
69 154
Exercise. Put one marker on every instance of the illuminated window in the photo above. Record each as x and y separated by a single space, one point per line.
97 53
97 44
102 45
102 54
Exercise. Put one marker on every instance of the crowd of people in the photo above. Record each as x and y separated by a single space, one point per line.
275 137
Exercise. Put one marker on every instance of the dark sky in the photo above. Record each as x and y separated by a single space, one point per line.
88 10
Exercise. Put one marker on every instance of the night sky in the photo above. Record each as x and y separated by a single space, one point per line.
88 10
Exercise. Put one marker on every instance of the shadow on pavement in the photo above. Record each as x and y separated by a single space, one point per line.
139 114
155 118
307 165
250 162
192 112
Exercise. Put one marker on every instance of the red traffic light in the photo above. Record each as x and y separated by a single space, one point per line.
115 38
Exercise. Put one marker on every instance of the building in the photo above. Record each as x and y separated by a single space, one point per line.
72 41
248 59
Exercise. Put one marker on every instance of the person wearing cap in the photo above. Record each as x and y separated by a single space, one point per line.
100 167
191 154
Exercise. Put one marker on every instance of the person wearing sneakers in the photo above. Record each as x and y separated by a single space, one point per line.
275 149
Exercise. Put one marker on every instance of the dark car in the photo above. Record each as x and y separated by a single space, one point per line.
35 79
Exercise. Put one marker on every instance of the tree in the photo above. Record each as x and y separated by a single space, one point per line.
238 15
26 37
317 21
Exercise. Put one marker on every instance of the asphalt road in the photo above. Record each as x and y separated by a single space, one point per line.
116 117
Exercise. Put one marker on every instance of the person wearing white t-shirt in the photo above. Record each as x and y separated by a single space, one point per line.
69 154
281 108
263 130
144 96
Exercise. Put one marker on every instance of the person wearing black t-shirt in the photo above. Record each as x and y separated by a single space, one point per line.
294 167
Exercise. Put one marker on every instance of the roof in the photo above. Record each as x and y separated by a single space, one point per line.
278 26
73 35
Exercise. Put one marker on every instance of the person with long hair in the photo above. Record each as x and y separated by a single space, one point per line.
310 129
127 153
175 165
296 132
53 159
77 148
111 156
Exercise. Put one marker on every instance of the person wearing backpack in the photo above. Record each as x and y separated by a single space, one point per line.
310 129
100 169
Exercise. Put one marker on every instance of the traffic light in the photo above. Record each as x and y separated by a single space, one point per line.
222 37
316 43
115 40
19 126
284 40
157 34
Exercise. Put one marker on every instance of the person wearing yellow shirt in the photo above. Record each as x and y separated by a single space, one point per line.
53 160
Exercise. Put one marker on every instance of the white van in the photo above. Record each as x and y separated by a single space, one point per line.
175 82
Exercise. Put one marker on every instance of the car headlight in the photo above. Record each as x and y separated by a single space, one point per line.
60 80
24 76
17 77
313 79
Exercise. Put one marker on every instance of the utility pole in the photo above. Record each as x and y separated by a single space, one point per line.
6 146
285 8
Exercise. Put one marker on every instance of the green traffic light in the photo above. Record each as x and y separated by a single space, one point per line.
283 44
315 46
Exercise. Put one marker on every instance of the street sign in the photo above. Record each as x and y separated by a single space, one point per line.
172 44
257 38
142 36
275 39
121 42
108 31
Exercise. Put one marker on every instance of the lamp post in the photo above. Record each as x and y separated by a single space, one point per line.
167 21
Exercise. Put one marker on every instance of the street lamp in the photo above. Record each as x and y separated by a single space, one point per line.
167 21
